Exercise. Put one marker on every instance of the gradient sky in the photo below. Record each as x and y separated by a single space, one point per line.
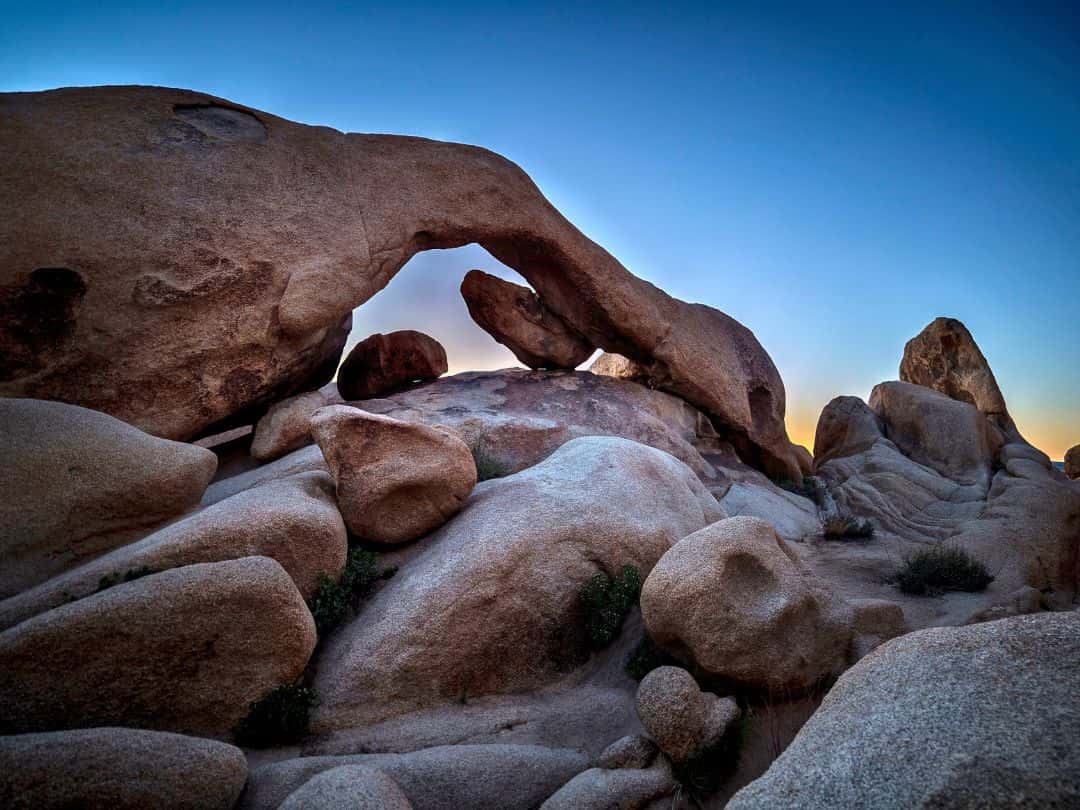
831 175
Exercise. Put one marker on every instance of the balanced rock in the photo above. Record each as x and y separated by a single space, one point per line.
516 318
945 357
735 600
280 230
294 521
489 603
396 481
381 364
119 769
77 483
185 650
945 434
348 787
1072 462
679 716
931 719
286 426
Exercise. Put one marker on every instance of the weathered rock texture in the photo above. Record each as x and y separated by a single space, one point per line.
185 650
603 789
1072 462
614 365
480 777
381 364
279 230
945 357
294 521
77 483
286 426
119 769
680 717
396 481
734 600
348 787
516 318
980 716
490 602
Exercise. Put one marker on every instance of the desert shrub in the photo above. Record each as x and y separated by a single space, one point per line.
109 580
646 657
846 527
808 486
332 600
488 466
280 718
607 600
939 569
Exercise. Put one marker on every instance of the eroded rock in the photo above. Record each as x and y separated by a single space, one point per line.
682 719
381 364
286 426
396 481
348 787
516 318
77 483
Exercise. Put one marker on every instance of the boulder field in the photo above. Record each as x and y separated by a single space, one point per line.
540 587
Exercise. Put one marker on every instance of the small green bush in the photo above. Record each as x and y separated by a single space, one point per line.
109 580
280 718
938 569
488 467
846 527
808 486
607 600
332 600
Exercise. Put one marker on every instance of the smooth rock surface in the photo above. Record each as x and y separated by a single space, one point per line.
489 603
516 318
735 600
451 777
381 364
280 230
286 426
185 650
622 789
979 716
294 521
119 769
396 481
348 787
631 751
77 483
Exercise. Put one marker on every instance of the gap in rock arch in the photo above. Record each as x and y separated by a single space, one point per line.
425 296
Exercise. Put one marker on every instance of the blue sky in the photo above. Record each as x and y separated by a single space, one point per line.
832 175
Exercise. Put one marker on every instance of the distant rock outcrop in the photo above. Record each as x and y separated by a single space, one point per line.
381 364
1072 462
256 238
516 318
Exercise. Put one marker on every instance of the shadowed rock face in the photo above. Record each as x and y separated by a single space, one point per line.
199 258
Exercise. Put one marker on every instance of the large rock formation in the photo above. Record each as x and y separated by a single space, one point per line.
981 716
516 318
381 364
278 230
396 481
945 357
294 521
682 719
490 602
77 483
119 769
185 650
734 600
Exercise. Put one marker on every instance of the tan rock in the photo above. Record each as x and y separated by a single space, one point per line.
185 650
381 364
77 483
280 230
294 521
516 318
489 603
1072 462
945 434
680 717
735 600
298 462
396 481
286 426
348 787
119 769
805 459
846 427
610 364
945 357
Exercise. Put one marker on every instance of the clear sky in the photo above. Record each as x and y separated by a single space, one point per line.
832 175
